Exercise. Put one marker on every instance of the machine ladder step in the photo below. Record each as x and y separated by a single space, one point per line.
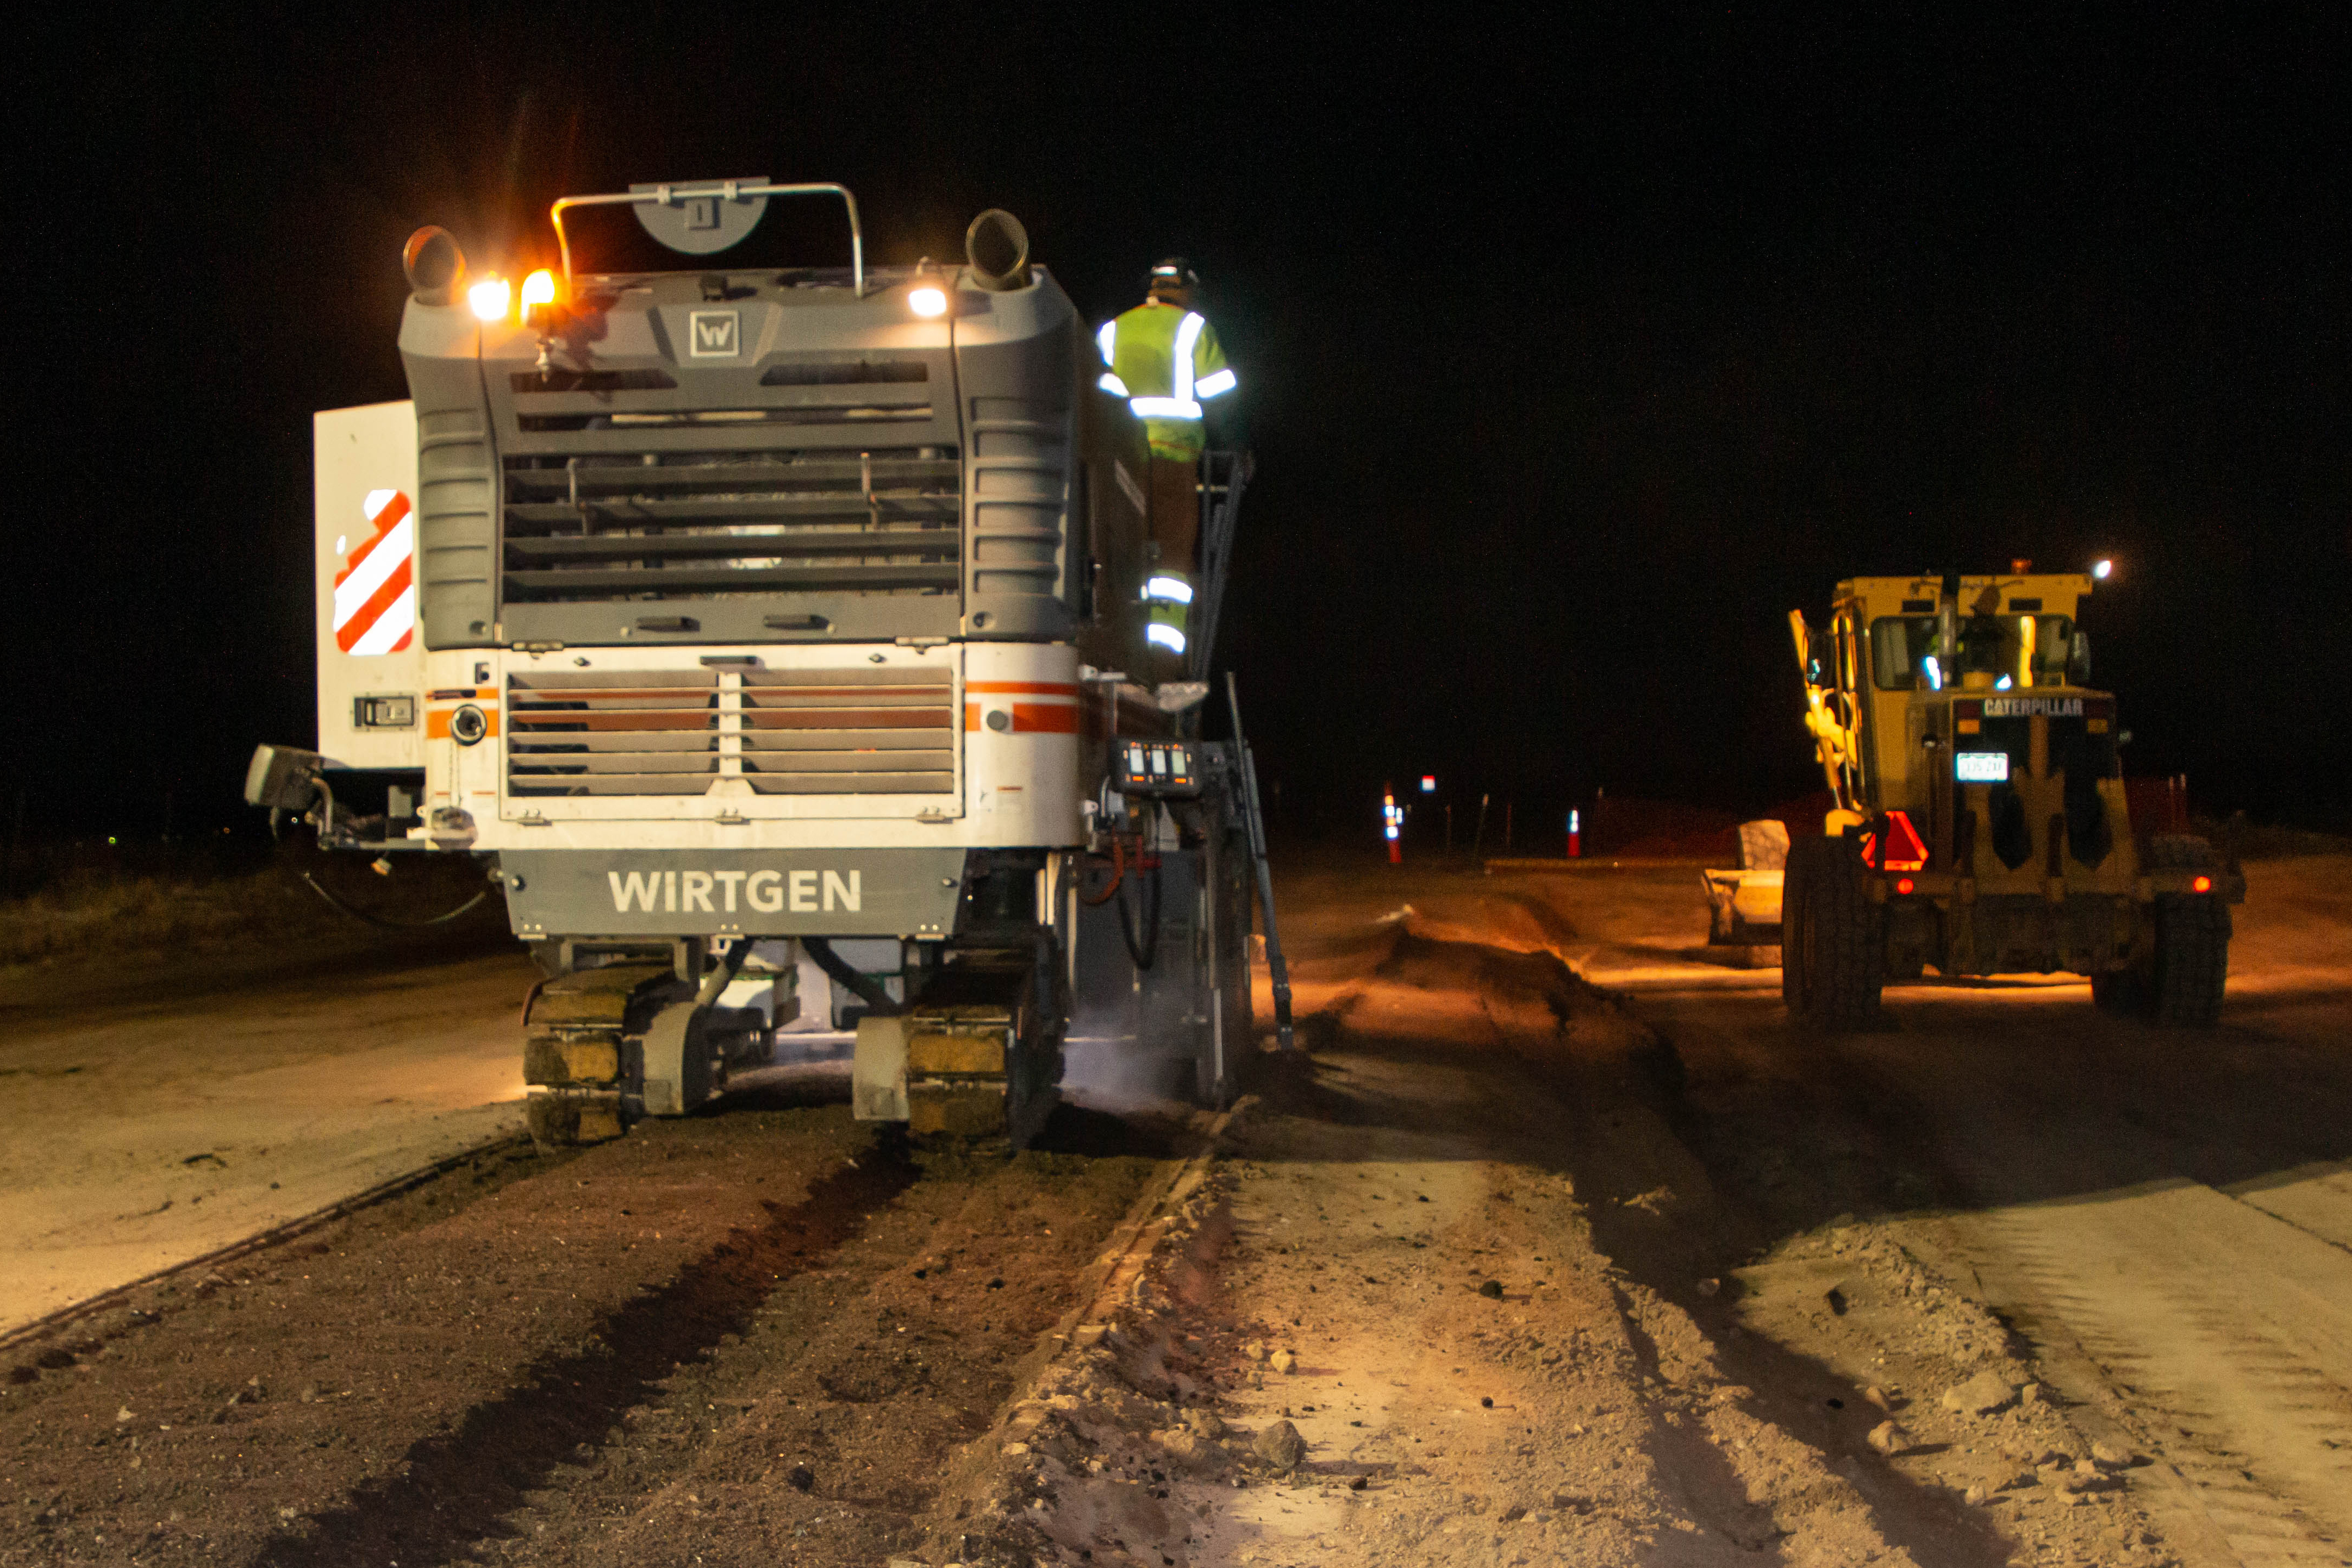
1254 814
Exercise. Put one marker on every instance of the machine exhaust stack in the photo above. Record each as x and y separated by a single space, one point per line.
436 267
998 248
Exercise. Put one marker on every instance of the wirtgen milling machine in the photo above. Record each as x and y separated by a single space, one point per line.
774 636
1982 822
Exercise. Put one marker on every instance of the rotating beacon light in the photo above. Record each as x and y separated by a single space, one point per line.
1391 821
538 298
539 314
1575 835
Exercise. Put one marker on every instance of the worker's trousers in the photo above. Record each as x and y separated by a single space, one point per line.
1175 518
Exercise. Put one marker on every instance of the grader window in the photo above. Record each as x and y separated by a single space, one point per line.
2002 652
1900 646
2009 652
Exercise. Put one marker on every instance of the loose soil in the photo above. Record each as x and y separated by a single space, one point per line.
1556 1246
716 1336
153 1119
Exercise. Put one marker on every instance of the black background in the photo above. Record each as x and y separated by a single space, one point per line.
1574 356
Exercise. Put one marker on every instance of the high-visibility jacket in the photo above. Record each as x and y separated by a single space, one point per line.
1165 361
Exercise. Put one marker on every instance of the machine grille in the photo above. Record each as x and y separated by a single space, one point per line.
878 731
669 524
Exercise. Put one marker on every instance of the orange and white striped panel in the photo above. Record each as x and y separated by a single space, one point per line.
375 593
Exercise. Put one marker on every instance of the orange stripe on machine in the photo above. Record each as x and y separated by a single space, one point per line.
1046 718
1027 718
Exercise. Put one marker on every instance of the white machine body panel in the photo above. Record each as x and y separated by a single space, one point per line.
370 651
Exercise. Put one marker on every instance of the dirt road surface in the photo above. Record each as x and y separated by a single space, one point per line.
2162 1221
155 1117
1559 1247
1630 1271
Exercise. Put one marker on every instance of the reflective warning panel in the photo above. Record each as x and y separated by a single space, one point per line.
370 654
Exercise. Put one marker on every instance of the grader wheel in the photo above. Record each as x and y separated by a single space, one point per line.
1832 944
2191 966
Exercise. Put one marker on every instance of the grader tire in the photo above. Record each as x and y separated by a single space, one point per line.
1832 943
2191 967
2120 992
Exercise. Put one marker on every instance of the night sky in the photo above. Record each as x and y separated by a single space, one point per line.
1573 356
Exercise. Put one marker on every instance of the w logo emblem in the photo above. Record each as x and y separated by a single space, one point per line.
717 334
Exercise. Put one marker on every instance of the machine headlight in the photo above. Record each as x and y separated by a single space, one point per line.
928 302
489 298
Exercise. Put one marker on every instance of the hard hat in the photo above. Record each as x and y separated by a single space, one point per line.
1174 273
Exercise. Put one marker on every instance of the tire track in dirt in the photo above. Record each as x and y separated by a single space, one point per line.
827 1429
449 1491
2187 1356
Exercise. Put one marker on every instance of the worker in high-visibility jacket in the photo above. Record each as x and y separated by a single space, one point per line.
1163 357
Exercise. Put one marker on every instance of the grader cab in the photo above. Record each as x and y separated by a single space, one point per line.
1981 824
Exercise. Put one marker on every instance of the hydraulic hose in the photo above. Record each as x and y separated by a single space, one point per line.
1148 896
1118 876
878 1002
385 922
391 925
723 972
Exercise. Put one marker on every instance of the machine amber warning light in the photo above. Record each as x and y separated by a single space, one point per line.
928 302
488 298
2201 884
537 292
1905 885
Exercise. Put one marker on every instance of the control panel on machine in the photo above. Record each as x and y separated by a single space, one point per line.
1163 769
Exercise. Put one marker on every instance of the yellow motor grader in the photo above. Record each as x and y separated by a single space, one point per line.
1981 825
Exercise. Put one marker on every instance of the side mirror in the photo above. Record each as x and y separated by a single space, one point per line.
2078 659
